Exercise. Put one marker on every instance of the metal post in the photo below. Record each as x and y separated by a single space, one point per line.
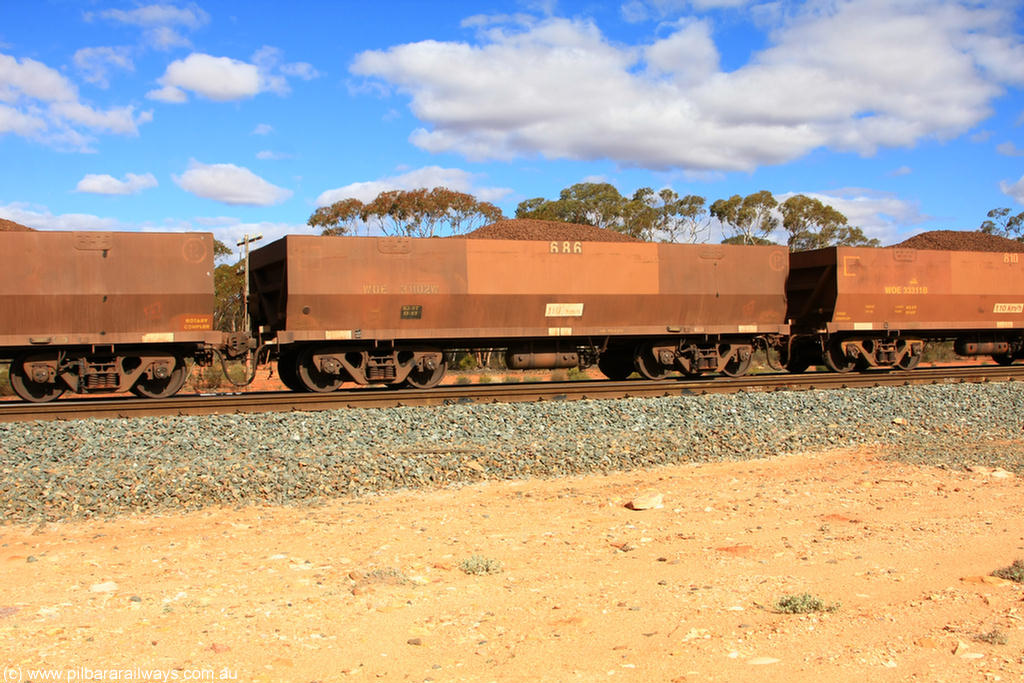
246 241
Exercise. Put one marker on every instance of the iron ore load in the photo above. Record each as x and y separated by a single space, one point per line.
389 310
107 311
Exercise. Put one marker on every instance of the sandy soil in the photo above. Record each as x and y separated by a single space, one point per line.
373 589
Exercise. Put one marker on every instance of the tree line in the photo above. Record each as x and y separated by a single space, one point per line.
649 215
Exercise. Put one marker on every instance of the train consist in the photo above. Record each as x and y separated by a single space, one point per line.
90 312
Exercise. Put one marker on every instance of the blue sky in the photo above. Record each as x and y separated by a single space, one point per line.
245 117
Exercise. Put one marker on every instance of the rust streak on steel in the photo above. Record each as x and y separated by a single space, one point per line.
71 409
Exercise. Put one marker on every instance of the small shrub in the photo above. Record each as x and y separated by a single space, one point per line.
941 352
463 379
803 603
511 379
993 637
485 379
577 374
478 565
387 575
1015 572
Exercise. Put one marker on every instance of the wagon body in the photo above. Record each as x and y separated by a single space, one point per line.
848 289
105 288
307 288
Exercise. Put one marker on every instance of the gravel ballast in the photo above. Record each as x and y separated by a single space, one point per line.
90 468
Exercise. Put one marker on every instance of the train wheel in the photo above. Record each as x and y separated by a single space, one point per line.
287 372
311 377
424 379
1003 358
30 390
616 365
736 367
836 359
162 388
649 366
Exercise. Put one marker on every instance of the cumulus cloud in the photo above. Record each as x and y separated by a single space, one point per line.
428 177
849 76
223 79
1014 190
263 129
97 63
39 103
217 78
107 184
230 184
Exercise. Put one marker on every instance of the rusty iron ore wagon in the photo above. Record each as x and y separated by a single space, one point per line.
107 311
389 310
862 307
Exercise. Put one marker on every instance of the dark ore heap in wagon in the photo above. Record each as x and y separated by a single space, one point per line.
11 226
960 240
546 231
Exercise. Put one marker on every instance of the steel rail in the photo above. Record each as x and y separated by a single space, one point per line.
209 404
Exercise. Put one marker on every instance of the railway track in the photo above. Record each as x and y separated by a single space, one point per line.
115 408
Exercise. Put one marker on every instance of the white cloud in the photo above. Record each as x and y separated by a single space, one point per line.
106 184
39 217
1014 190
96 63
880 215
121 120
851 76
25 125
217 78
159 15
270 155
230 184
168 94
161 23
901 171
1009 149
41 104
263 129
427 177
223 79
29 79
230 230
